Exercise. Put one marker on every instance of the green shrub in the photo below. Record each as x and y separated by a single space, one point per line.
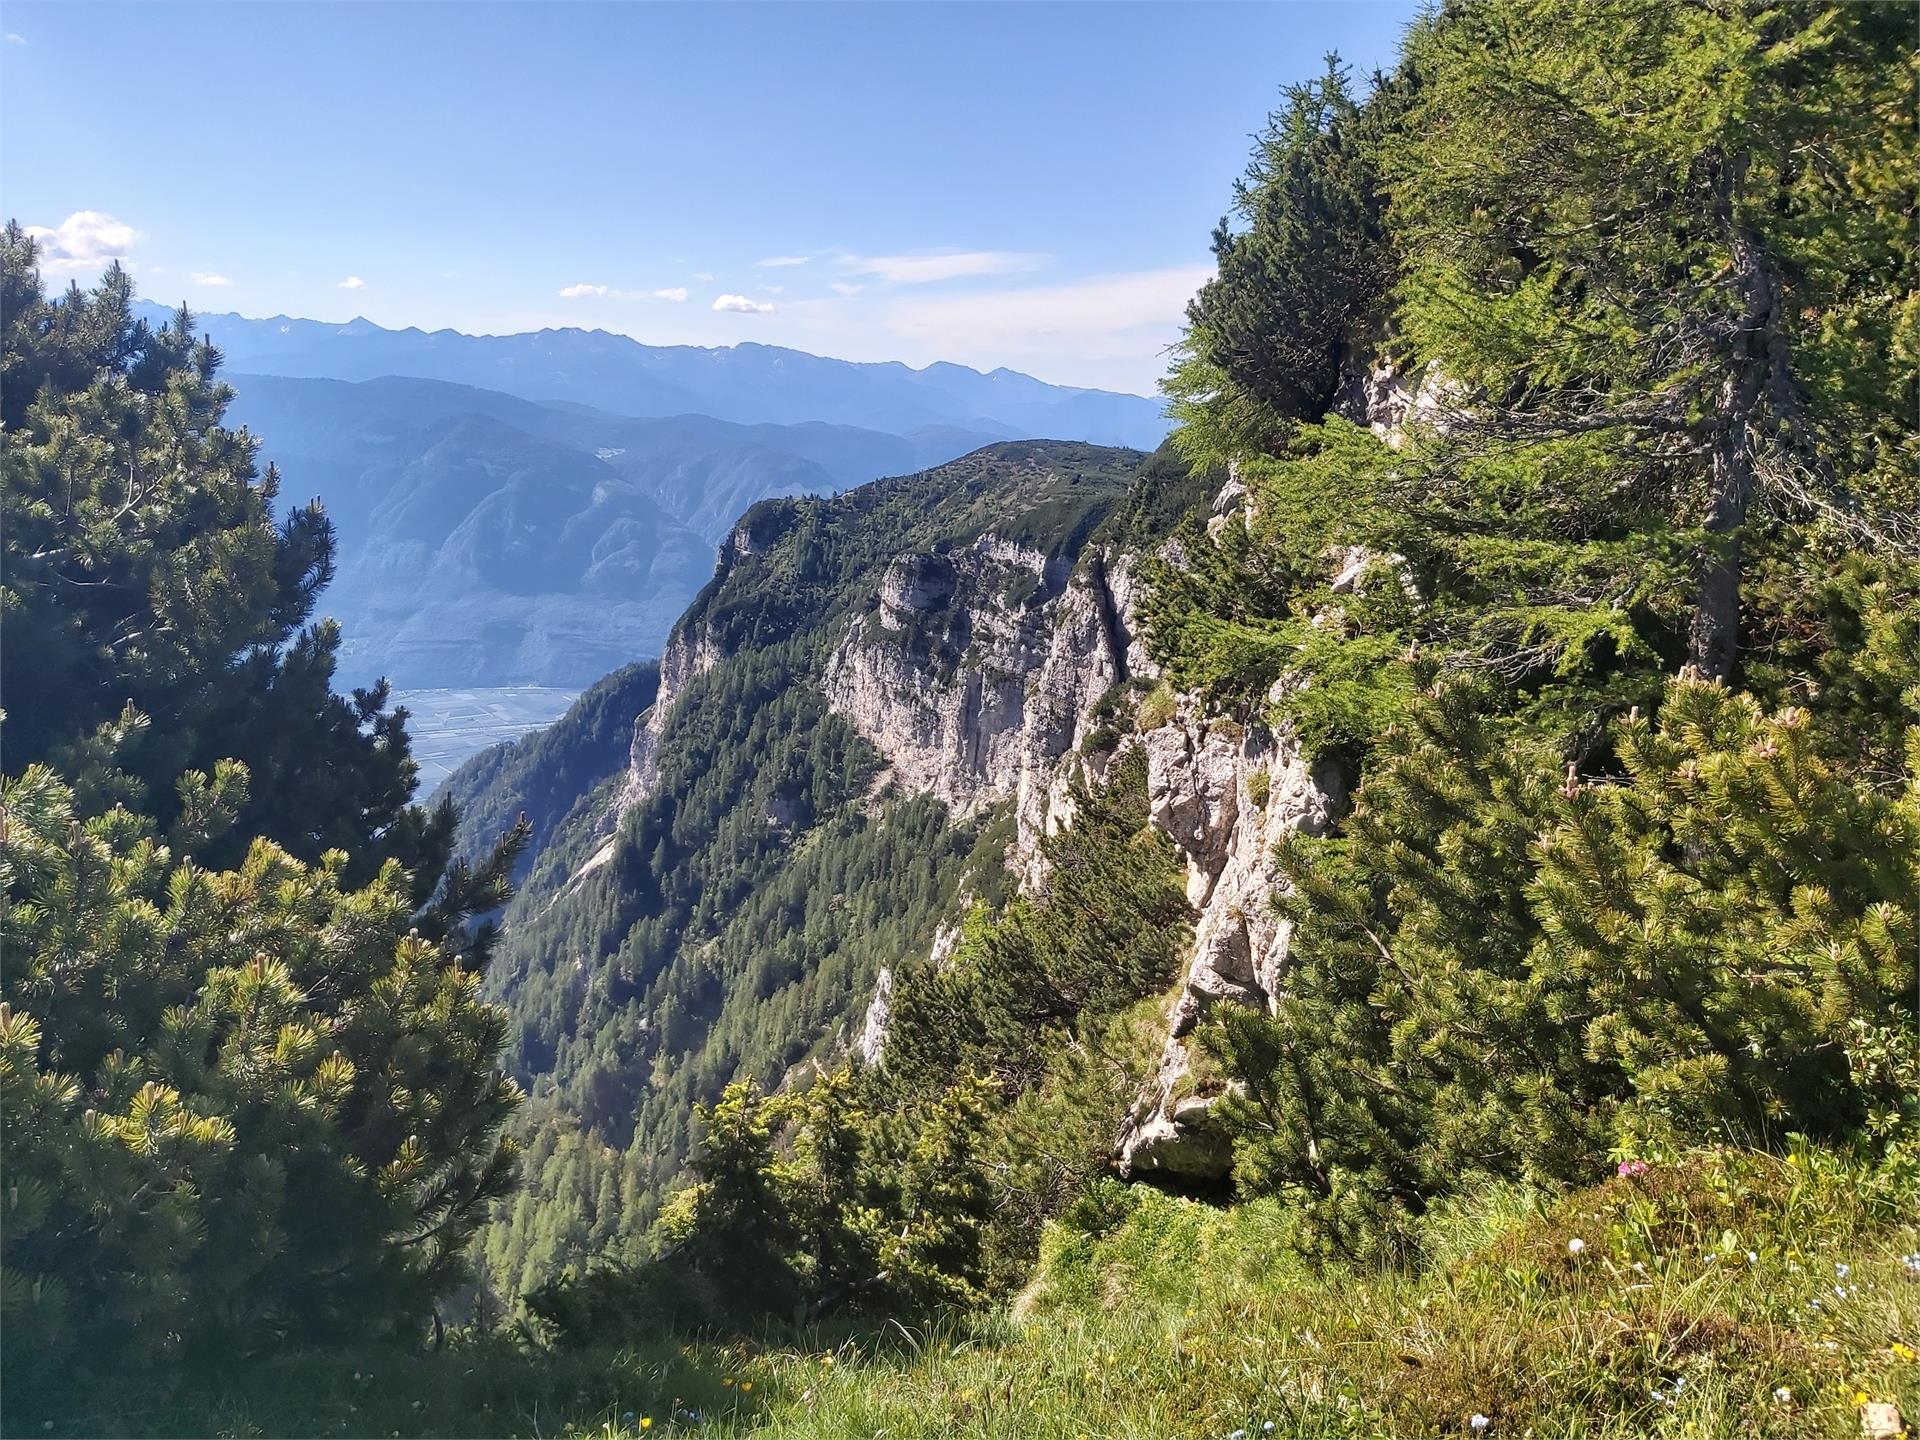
1156 709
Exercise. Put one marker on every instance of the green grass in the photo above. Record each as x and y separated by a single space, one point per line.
1184 1320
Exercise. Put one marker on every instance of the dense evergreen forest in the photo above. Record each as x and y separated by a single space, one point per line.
1565 380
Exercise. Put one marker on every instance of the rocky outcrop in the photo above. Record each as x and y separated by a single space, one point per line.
1389 396
691 652
687 657
1225 793
873 1030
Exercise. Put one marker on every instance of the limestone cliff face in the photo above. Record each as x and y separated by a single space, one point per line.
691 652
976 673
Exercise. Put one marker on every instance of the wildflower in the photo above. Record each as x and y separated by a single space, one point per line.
1842 1269
746 1385
1576 1245
1267 1429
1912 1262
728 1382
1752 1258
1902 1352
1783 1395
1859 1397
646 1422
1479 1423
1632 1168
1238 1435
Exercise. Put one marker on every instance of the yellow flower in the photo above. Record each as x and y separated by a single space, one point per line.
1902 1352
1859 1397
646 1422
728 1382
746 1384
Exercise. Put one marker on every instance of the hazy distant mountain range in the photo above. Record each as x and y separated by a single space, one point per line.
747 383
538 508
490 540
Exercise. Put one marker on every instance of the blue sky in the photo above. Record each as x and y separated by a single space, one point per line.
1022 184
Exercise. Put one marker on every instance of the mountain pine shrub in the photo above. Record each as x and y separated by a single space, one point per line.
1502 969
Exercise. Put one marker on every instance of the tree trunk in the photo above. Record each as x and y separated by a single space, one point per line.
1714 641
1751 355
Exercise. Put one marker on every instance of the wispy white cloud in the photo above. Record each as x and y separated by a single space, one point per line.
1114 327
741 305
844 287
13 39
931 266
352 282
782 261
584 291
202 277
86 241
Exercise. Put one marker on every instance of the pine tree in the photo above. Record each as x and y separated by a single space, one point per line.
146 564
251 1092
1300 284
1685 231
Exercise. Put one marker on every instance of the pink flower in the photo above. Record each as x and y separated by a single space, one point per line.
1632 1167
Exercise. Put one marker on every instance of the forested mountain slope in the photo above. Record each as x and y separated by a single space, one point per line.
723 908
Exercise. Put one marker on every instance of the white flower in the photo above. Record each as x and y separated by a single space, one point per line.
1479 1423
1842 1269
1783 1394
1752 1259
1267 1429
1576 1245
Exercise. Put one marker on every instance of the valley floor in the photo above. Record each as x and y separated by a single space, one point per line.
450 726
1717 1294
